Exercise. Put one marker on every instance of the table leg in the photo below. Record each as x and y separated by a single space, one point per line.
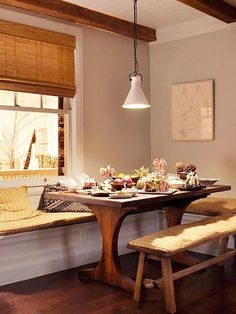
109 269
174 215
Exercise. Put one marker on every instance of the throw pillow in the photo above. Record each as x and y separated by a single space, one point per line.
15 205
55 206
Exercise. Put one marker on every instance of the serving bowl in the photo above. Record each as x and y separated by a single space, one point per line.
120 186
208 181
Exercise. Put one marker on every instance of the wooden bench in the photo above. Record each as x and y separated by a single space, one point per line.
213 206
164 244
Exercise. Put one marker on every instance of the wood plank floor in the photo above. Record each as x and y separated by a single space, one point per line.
212 291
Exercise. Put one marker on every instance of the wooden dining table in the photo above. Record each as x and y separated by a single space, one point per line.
110 214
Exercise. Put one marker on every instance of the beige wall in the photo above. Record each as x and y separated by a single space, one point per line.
113 135
209 56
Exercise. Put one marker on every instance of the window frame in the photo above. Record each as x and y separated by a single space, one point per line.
64 108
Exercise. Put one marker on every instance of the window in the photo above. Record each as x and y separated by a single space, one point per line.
32 135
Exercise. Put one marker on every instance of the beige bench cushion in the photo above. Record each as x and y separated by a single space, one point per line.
44 221
182 237
213 206
15 205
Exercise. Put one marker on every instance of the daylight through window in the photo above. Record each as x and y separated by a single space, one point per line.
32 135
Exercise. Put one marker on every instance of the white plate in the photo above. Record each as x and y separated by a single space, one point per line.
120 196
84 192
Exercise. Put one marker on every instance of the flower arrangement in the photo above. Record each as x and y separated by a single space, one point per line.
156 182
108 172
159 165
141 172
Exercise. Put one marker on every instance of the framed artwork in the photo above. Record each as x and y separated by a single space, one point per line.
192 111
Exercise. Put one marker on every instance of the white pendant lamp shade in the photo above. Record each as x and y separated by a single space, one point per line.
136 98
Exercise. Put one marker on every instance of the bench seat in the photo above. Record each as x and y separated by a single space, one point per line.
164 244
182 237
44 221
212 206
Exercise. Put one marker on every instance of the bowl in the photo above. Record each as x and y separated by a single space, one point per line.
119 187
135 178
207 181
182 175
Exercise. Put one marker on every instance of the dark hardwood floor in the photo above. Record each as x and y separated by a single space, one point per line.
212 291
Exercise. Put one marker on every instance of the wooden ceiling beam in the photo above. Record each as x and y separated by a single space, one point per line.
217 8
83 16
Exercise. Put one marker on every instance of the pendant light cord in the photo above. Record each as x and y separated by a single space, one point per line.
135 73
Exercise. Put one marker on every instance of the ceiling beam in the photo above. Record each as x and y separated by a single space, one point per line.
217 8
83 16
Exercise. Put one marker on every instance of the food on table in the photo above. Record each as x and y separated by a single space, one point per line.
140 184
121 175
89 183
135 178
133 191
174 181
118 184
122 192
156 183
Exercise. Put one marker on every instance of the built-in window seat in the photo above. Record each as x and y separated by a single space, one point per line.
44 221
58 241
53 242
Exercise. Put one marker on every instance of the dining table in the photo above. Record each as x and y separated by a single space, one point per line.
110 214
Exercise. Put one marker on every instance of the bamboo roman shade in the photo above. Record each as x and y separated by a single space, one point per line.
36 60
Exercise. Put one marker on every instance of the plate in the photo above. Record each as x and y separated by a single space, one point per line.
100 194
170 191
117 196
83 192
208 181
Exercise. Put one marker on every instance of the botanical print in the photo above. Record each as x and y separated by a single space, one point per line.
192 111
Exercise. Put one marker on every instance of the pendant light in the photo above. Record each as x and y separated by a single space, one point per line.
136 98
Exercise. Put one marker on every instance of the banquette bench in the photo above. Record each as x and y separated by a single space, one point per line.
44 221
212 206
18 216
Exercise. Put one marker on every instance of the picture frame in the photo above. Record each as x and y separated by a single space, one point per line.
192 111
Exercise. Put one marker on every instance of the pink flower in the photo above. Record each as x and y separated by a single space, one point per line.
108 172
159 165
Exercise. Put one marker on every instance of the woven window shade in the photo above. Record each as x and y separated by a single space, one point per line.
36 61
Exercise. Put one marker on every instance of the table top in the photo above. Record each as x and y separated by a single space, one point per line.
139 200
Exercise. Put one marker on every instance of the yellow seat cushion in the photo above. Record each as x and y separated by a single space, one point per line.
212 206
182 237
15 205
44 221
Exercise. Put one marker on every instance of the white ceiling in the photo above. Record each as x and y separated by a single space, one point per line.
152 13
